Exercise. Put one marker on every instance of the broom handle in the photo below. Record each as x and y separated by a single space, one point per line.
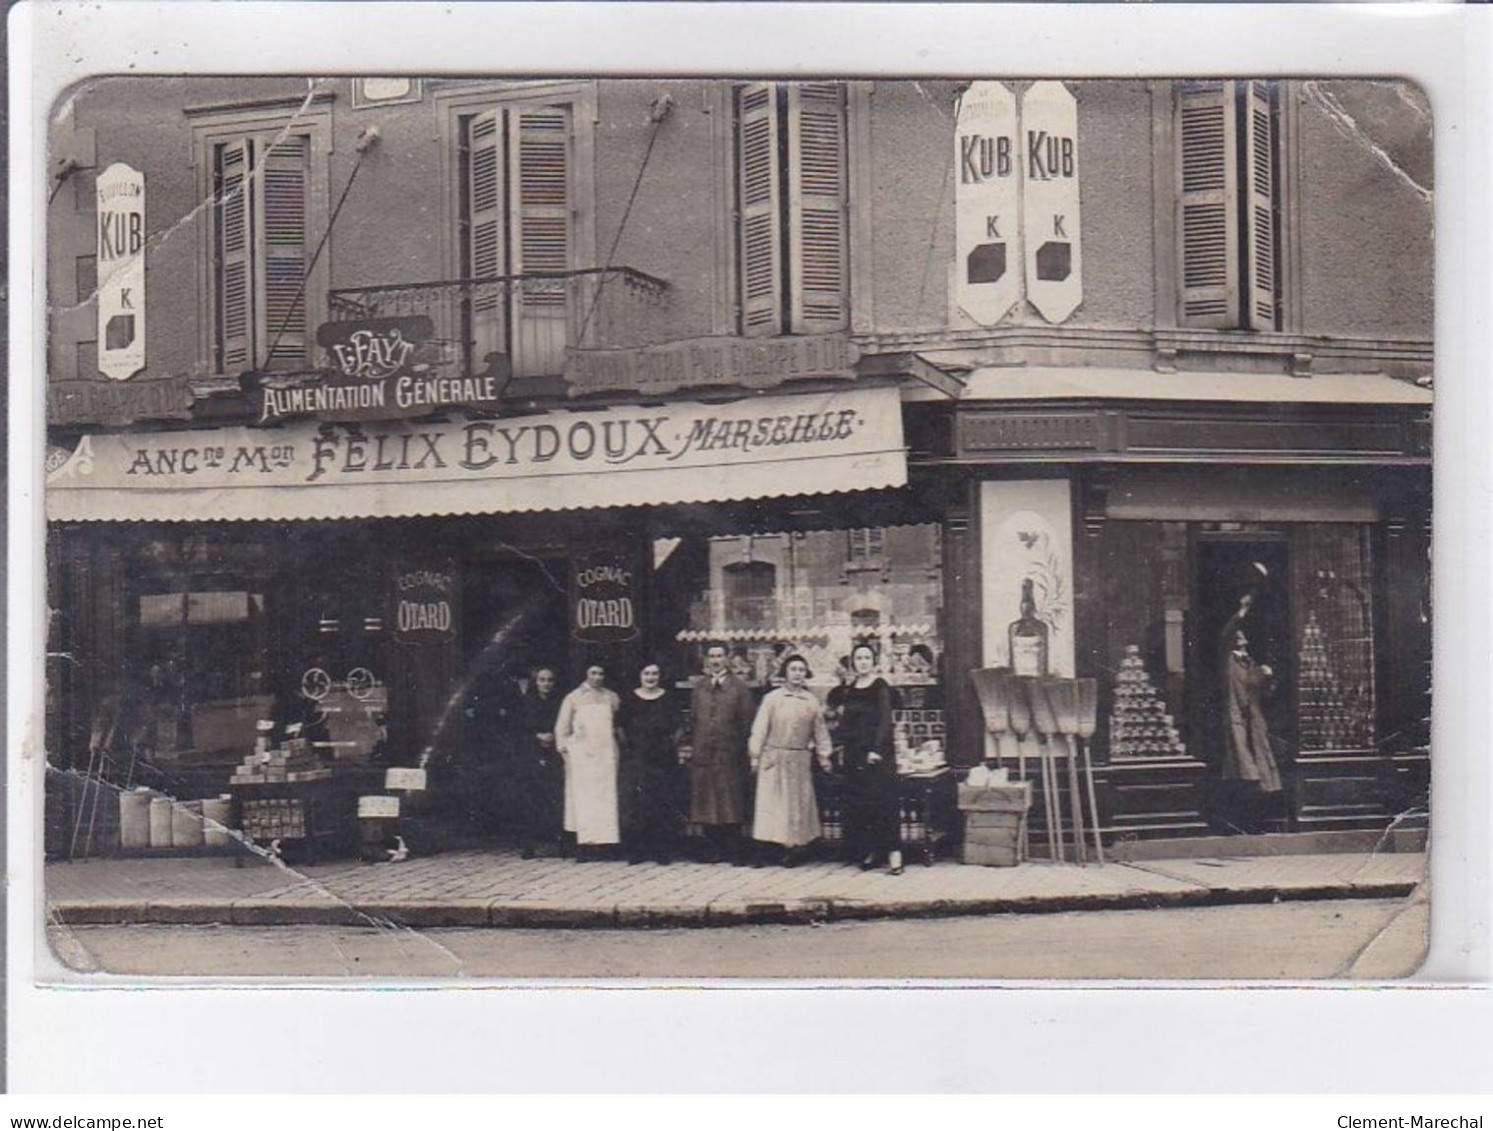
1075 798
1054 815
1088 771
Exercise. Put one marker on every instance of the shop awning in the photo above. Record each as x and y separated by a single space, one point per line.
691 452
1040 382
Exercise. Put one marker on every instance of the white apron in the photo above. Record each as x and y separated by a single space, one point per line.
591 774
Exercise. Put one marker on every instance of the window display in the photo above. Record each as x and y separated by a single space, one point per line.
818 594
1335 639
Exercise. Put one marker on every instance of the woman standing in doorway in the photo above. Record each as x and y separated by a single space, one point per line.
586 737
538 777
649 720
872 803
787 734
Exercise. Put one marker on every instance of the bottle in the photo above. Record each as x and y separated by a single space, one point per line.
1028 637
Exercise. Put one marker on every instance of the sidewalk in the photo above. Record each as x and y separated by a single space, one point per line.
495 888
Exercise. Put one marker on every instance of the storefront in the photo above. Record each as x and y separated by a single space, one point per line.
389 586
1138 521
394 583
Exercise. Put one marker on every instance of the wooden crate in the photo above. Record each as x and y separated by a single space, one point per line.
1012 798
980 824
991 855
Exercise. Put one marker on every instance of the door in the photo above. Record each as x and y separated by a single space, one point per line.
513 618
1226 568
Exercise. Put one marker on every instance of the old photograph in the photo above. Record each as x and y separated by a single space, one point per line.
735 528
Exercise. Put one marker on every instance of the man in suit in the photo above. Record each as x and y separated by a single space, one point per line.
722 710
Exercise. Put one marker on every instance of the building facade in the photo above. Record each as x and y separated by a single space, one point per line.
369 395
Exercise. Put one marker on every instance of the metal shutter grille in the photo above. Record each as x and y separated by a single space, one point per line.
283 254
1208 207
1259 151
818 267
484 232
233 294
759 249
539 168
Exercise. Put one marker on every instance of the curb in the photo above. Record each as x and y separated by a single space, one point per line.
529 914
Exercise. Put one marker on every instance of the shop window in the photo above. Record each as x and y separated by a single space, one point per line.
815 610
750 591
792 227
794 596
1334 638
867 548
261 199
1228 214
517 208
200 675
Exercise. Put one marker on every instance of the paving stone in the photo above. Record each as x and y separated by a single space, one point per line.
281 913
429 913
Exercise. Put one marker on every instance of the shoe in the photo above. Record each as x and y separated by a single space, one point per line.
868 864
528 852
895 870
634 859
790 859
664 859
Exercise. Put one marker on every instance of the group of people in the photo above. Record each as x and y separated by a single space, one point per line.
615 770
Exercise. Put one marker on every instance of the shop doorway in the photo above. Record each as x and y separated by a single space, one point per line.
1227 567
494 592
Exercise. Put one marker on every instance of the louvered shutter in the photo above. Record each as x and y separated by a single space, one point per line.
1259 197
758 231
1208 204
233 286
818 251
484 233
540 171
282 252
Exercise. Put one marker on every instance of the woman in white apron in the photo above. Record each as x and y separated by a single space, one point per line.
586 736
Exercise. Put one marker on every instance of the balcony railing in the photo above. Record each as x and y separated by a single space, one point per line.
530 318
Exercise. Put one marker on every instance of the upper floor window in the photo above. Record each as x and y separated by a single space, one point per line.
792 228
1229 176
517 231
261 193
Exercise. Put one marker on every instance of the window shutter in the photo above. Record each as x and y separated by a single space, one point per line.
282 222
818 252
1259 205
540 170
759 231
485 251
1208 205
233 288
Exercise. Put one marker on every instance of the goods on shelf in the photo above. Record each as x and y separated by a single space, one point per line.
286 764
1139 725
1330 716
274 818
918 737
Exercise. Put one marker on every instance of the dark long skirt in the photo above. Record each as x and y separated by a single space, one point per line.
650 804
539 794
872 810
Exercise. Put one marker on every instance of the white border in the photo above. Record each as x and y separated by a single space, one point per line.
1034 1039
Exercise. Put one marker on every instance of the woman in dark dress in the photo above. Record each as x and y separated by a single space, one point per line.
538 774
649 720
872 807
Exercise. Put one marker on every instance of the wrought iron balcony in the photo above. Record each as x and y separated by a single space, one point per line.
530 318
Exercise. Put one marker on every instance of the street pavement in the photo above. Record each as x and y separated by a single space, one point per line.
496 888
1333 939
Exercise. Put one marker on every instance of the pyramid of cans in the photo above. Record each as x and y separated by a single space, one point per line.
1330 717
1139 726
